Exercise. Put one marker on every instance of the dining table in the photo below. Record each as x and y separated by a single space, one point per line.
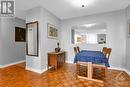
91 58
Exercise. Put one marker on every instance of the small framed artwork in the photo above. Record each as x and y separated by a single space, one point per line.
20 34
129 28
52 31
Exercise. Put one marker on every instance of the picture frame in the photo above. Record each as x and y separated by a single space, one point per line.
128 28
32 38
20 34
52 31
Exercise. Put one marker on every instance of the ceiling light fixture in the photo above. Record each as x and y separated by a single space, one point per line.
78 3
89 25
81 3
82 6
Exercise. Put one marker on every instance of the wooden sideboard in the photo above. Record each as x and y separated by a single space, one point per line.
56 59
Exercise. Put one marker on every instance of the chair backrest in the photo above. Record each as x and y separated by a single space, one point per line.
75 50
78 49
104 50
108 52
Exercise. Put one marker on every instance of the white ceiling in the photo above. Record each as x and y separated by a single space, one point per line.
65 9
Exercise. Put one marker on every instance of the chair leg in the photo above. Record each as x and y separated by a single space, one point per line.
77 69
106 71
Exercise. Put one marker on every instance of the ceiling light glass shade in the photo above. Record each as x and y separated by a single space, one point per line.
88 25
79 3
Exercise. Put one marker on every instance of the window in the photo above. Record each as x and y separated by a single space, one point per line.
91 38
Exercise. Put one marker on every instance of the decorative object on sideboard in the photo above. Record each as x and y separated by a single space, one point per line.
58 48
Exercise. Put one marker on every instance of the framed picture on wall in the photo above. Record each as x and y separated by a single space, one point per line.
52 31
20 34
128 28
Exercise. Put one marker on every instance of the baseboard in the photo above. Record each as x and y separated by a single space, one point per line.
10 64
69 62
127 71
36 70
121 69
0 66
117 68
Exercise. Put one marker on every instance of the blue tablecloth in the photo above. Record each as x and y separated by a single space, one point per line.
91 56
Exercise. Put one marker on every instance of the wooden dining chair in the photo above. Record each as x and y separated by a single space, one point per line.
102 66
108 52
80 66
104 50
75 50
78 49
77 64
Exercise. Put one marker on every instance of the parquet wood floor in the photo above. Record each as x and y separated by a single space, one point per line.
17 76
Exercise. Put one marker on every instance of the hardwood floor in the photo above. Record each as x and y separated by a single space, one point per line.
17 76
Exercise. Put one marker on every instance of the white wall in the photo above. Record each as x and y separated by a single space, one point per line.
11 51
116 35
41 15
128 41
33 62
48 45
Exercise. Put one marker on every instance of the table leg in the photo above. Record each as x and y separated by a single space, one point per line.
90 70
77 68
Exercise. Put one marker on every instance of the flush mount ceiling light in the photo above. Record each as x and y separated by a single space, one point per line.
80 3
89 25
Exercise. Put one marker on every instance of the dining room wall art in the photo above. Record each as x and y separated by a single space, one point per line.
20 34
52 31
